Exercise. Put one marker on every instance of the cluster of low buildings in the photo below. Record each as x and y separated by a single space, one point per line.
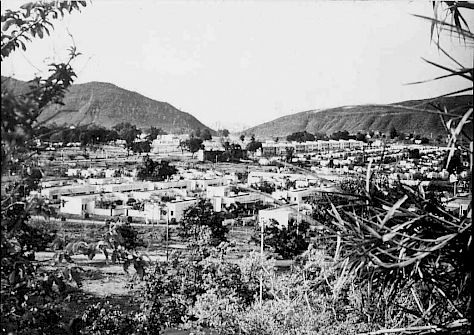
167 144
272 148
125 195
97 191
104 192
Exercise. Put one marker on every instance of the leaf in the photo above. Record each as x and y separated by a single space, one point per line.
460 73
440 77
433 24
12 278
392 210
26 5
7 25
39 31
447 26
455 133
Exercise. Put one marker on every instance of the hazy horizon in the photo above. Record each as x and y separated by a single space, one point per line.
231 64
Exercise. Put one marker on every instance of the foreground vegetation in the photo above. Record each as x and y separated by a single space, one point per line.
386 260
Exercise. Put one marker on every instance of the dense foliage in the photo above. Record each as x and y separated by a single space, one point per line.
265 187
85 135
233 152
193 144
253 145
301 136
128 133
154 132
155 170
201 217
288 242
30 295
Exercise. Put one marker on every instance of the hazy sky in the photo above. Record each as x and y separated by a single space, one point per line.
245 62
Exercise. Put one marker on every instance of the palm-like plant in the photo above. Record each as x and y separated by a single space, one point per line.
407 252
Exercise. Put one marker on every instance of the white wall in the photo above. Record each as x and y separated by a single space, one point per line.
176 209
58 192
216 191
281 215
77 205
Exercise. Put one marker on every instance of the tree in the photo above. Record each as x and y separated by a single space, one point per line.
226 145
183 145
141 147
178 291
401 136
254 145
439 139
287 242
340 135
194 144
128 133
302 136
414 153
361 137
154 132
242 137
393 133
196 133
289 153
58 136
206 135
425 140
202 215
130 239
224 132
110 135
24 292
85 138
320 136
155 171
265 187
233 152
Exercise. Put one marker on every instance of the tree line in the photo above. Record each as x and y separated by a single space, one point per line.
393 134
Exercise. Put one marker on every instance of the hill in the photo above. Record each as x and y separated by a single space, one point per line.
106 105
364 118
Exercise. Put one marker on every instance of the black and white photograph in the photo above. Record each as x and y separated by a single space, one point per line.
236 167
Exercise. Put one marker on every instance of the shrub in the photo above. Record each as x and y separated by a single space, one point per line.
287 242
201 216
37 235
103 318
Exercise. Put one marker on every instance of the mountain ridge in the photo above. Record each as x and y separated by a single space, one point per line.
107 104
364 118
